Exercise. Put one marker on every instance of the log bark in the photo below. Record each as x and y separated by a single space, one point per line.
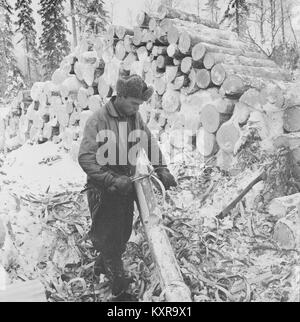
168 12
206 143
227 136
161 249
291 121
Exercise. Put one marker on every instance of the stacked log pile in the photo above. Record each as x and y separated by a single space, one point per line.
209 85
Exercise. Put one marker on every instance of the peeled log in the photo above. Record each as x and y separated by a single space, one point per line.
227 136
168 269
291 120
242 60
168 12
206 143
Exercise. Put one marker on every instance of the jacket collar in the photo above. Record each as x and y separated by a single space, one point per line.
111 109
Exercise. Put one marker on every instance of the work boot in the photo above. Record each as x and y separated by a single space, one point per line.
116 274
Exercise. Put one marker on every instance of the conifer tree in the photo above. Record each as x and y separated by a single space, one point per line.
26 26
11 79
91 15
213 8
53 41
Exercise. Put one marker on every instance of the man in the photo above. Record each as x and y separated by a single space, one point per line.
110 190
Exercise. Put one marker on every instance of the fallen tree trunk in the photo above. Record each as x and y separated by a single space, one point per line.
168 269
168 12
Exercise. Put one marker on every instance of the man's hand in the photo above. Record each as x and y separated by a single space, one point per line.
166 178
122 185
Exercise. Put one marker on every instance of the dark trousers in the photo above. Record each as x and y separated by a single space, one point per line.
112 217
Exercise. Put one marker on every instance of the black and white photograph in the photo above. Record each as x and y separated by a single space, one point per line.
149 153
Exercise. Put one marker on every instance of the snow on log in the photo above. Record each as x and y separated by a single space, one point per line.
168 12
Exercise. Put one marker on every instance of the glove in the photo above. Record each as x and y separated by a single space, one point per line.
122 185
166 178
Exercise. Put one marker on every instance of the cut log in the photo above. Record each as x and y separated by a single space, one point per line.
252 98
82 97
186 65
227 136
218 75
160 84
171 73
94 102
234 86
174 52
58 76
138 36
153 23
209 61
171 101
163 61
272 98
211 119
104 89
30 291
290 141
143 20
142 53
203 78
130 58
120 51
224 160
121 32
180 82
168 12
137 68
161 249
198 52
36 90
71 84
292 119
206 143
149 45
128 45
172 35
192 86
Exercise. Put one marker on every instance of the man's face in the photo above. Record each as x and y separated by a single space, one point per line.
130 105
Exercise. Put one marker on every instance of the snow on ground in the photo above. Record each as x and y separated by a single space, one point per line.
22 166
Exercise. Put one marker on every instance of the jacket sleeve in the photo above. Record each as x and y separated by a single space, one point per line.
152 149
99 175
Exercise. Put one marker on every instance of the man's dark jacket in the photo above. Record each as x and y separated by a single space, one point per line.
111 213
